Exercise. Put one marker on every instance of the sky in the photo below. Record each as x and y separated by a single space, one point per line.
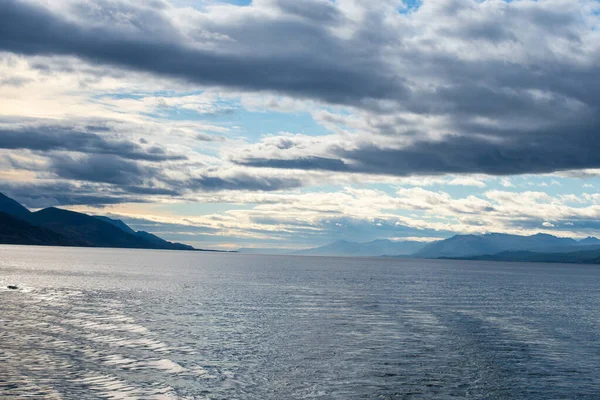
291 124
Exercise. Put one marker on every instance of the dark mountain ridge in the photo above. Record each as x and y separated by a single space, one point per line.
116 222
58 227
87 229
13 208
149 237
17 231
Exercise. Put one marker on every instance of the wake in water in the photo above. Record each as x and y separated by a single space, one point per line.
133 325
65 342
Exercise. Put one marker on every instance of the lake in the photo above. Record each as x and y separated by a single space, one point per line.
106 323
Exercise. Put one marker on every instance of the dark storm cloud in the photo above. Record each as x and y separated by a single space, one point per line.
100 168
48 138
301 57
41 195
533 153
323 11
100 179
308 163
519 152
516 84
152 191
242 182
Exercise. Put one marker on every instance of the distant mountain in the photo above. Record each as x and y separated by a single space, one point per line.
578 257
17 231
589 241
375 248
538 241
57 227
458 246
474 245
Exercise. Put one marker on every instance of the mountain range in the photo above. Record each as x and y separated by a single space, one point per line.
376 248
590 256
57 227
492 246
492 243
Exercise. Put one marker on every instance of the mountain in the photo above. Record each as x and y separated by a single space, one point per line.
17 231
57 227
458 246
577 257
589 241
375 248
87 229
13 208
158 242
118 223
473 245
540 240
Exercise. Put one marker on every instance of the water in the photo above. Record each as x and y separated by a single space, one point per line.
100 323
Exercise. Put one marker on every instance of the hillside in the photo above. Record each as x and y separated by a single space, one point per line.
149 237
161 243
86 229
118 223
57 227
17 231
13 208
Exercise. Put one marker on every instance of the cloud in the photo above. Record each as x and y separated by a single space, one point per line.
217 51
100 168
15 81
443 95
467 181
453 87
57 193
506 182
92 139
520 153
242 182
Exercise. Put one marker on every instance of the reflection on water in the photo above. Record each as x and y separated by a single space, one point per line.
127 324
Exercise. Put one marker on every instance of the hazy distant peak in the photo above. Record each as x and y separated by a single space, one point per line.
590 240
375 248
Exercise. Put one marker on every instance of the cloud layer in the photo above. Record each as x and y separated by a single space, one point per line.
120 101
456 86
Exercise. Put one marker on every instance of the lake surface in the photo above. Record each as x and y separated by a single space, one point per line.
102 323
